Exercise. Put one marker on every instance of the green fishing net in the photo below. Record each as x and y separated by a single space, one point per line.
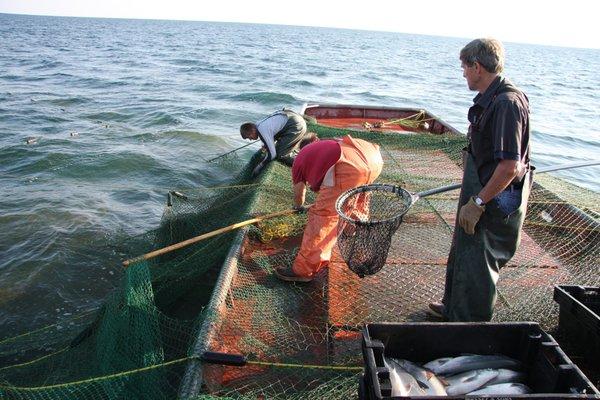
300 341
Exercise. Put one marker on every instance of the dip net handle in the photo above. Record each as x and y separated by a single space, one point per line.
567 166
440 189
562 167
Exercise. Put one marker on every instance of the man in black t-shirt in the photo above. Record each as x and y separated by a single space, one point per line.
495 187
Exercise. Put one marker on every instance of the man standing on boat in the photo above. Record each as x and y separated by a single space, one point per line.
280 132
495 187
329 167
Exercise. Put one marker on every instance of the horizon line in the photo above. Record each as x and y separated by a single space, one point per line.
294 25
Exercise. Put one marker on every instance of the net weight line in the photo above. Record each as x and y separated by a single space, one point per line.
239 360
371 214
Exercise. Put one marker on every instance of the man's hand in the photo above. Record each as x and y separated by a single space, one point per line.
258 169
469 215
300 209
299 192
261 165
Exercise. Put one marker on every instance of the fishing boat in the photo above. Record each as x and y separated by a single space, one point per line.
263 338
211 320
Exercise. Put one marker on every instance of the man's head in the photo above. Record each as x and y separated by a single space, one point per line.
482 60
248 131
310 138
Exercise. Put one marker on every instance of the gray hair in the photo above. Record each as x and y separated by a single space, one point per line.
489 53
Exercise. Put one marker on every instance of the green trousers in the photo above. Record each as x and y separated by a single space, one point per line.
475 261
289 139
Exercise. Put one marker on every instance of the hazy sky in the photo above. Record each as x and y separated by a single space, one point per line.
572 23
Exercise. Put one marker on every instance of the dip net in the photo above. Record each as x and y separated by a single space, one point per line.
300 341
369 217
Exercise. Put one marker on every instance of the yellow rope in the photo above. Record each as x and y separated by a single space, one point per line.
151 367
99 378
405 120
34 361
308 366
10 339
411 118
412 121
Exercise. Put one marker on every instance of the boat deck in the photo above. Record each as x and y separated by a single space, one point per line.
319 323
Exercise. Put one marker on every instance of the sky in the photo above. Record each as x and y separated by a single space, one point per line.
570 24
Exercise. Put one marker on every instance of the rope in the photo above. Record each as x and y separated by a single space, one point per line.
36 360
99 378
412 121
173 362
307 366
10 339
232 151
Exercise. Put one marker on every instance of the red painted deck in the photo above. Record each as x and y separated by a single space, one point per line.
355 117
359 124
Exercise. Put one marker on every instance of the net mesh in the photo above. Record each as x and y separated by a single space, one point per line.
302 341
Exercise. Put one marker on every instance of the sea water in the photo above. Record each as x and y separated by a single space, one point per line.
119 112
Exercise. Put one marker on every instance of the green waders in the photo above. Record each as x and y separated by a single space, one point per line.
475 261
288 139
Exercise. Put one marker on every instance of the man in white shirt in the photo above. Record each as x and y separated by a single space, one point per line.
280 132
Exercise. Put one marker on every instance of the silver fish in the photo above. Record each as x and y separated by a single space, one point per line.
469 381
426 379
403 383
503 389
437 363
464 363
507 376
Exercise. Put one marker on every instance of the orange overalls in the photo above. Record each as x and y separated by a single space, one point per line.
360 163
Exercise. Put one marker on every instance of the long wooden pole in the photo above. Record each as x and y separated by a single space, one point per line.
199 238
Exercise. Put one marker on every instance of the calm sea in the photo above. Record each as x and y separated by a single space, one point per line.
122 111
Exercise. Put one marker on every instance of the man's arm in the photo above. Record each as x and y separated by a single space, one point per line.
503 175
299 194
260 166
469 214
268 128
270 145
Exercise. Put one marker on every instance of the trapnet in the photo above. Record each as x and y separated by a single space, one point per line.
301 341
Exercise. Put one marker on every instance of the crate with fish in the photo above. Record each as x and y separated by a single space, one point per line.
579 319
508 360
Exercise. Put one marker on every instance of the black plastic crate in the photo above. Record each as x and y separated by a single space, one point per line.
550 373
579 319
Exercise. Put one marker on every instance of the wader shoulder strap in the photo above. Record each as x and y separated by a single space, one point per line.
482 120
